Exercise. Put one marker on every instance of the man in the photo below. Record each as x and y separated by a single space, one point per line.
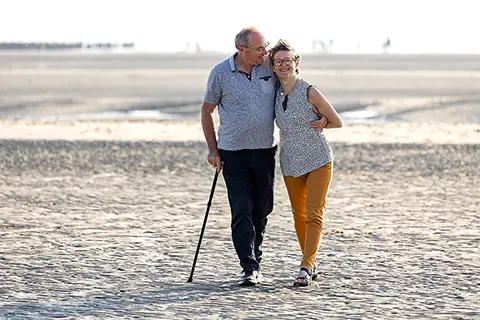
243 88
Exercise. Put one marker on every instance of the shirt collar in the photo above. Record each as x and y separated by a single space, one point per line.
231 62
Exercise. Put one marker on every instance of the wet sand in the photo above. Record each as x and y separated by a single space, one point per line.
396 88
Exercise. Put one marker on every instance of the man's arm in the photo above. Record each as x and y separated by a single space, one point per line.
209 132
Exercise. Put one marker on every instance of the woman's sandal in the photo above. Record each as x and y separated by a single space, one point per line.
304 278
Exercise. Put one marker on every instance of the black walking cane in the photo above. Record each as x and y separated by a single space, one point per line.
190 279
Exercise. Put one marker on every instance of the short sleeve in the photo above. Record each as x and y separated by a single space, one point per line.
213 93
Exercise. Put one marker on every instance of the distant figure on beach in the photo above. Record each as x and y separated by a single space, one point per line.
318 43
193 48
324 47
386 45
306 158
243 87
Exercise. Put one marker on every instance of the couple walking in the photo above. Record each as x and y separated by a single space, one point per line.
253 89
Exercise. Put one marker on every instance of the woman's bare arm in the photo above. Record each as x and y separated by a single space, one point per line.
324 107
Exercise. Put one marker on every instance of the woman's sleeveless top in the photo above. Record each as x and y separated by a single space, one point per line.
302 149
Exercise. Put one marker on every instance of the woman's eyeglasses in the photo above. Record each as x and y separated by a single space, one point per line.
278 63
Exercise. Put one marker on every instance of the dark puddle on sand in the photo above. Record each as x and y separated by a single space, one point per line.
357 116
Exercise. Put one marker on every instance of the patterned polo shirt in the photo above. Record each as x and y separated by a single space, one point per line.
245 105
302 149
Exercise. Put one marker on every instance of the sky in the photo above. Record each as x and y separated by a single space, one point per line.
414 26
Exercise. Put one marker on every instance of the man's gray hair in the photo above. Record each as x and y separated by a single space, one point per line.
243 36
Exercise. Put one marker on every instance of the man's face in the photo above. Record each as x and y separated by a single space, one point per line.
255 50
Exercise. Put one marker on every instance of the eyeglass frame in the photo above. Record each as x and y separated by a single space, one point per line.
259 49
275 63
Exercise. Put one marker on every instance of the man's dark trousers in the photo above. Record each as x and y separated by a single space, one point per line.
249 176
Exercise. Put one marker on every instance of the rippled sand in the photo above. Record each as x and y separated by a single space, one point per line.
106 229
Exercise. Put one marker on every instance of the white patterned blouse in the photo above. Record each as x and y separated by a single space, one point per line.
302 149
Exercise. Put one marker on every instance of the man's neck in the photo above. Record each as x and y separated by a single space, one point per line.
242 65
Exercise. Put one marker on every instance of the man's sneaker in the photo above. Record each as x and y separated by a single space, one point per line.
304 277
259 276
250 277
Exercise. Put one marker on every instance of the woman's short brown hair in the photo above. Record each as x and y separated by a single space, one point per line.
284 45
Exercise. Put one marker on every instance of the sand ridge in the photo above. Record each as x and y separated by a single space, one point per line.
94 229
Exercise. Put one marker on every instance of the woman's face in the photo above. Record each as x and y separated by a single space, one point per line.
284 65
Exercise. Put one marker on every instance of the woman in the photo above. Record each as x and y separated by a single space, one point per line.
305 154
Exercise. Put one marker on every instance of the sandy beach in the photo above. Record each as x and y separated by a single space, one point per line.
100 218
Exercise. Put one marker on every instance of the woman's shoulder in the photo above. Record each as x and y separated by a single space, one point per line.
306 85
305 82
310 87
